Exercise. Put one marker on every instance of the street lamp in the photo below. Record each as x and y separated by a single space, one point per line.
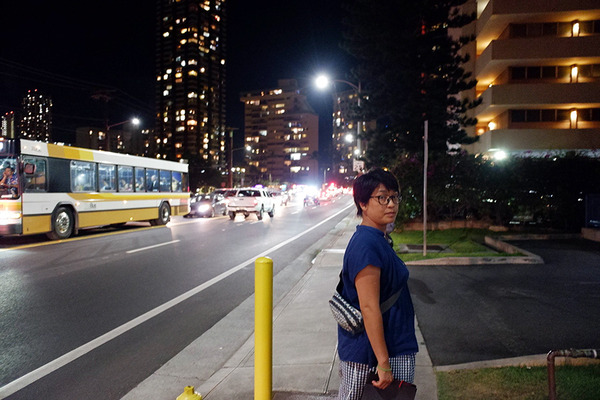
323 82
133 121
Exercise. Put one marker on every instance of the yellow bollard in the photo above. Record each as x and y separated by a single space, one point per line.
189 394
263 328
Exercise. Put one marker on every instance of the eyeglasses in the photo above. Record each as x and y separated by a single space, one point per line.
385 200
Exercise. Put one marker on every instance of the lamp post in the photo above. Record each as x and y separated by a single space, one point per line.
323 82
230 159
134 121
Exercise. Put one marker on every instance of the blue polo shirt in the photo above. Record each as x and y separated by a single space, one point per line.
368 246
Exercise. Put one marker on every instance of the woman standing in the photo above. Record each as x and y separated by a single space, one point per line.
372 273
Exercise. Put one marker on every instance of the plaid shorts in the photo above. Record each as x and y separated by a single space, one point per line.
354 375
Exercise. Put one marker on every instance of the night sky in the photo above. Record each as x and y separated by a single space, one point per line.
70 49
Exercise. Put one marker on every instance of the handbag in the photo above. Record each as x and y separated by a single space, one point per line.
346 315
397 390
349 317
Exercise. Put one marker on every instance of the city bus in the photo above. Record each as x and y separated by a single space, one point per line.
62 189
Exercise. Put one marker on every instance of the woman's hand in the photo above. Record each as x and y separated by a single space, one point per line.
385 379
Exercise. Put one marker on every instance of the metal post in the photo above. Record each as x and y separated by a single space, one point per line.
263 328
425 164
574 353
358 125
230 161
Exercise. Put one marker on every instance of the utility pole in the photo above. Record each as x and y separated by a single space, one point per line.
425 163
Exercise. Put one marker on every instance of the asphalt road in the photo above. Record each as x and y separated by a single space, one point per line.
93 316
485 312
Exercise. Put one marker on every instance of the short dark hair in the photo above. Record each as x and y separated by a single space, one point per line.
365 184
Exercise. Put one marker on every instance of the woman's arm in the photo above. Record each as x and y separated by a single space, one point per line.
367 285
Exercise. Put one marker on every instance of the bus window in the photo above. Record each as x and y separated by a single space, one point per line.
35 182
165 181
107 175
184 183
83 176
140 180
176 182
152 180
125 179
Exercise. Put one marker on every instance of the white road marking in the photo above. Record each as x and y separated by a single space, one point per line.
152 247
65 359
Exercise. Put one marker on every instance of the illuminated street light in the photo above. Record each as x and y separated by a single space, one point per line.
134 121
322 82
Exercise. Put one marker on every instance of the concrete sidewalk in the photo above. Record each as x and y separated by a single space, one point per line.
220 364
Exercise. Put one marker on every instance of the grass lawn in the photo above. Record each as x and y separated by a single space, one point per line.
581 382
461 242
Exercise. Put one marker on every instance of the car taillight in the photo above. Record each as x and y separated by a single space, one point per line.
255 202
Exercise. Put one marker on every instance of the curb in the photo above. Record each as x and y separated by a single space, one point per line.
498 244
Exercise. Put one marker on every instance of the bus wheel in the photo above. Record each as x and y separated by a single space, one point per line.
62 224
164 215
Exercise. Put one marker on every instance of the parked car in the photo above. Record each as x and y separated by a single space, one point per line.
208 205
250 201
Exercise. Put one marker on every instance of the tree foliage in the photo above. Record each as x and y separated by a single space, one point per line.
411 70
548 192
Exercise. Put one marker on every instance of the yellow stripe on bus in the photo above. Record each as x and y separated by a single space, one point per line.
98 218
10 205
36 224
179 210
69 152
41 223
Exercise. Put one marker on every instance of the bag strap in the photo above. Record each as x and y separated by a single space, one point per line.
386 305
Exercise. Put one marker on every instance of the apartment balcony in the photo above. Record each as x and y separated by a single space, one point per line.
511 140
498 14
540 51
500 98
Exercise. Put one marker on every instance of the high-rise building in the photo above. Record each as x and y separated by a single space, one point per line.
190 81
282 130
348 134
345 131
9 125
537 65
36 122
